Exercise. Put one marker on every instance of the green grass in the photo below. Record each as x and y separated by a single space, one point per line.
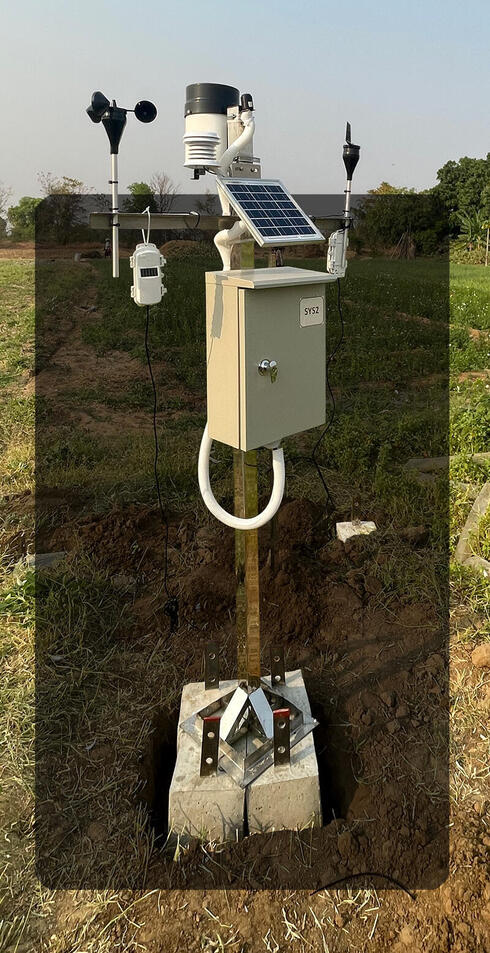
17 768
58 286
379 351
470 421
371 434
16 321
178 322
480 542
381 419
16 444
470 289
121 470
419 287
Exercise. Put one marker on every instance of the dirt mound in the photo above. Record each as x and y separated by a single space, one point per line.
374 666
129 540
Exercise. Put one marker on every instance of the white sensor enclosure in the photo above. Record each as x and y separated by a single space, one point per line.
337 253
205 139
209 137
147 264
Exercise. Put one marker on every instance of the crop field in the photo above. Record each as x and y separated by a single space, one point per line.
383 629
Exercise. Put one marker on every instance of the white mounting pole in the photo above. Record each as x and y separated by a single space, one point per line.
347 193
347 218
115 216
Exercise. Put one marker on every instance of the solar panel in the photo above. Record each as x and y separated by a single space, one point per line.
269 211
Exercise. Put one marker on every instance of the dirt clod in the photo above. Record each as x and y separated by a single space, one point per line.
416 535
481 655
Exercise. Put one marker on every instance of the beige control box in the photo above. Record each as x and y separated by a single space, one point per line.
265 331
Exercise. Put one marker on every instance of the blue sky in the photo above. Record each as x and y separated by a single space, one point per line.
412 78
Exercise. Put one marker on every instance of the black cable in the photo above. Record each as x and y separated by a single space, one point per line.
198 220
332 398
370 874
171 607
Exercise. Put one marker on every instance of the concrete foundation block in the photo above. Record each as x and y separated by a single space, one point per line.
285 798
288 797
211 807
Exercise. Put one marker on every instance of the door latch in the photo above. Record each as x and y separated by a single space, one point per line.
269 367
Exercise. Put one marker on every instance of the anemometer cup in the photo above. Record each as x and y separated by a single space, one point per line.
145 111
99 104
237 522
113 117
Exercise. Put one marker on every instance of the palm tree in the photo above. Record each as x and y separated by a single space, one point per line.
472 224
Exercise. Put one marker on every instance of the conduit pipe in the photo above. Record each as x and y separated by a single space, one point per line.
227 238
243 140
237 522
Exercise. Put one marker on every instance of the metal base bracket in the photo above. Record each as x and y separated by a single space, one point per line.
278 666
211 665
246 745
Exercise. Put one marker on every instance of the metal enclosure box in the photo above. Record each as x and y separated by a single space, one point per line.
264 314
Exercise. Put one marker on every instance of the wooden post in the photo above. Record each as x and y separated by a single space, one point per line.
252 588
246 541
241 605
275 260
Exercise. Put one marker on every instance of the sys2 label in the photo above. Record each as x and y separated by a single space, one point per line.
310 311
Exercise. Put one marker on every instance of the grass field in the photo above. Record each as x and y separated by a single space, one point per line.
406 386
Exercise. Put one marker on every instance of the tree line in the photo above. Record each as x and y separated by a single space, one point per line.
62 208
457 209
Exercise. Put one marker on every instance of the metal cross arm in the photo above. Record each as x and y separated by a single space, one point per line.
163 220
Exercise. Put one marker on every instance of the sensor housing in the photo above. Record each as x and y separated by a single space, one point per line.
147 264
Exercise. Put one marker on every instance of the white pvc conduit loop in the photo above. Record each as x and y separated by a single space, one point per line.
237 522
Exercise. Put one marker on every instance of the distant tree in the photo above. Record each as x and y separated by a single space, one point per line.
384 217
3 228
22 217
5 194
140 198
462 186
164 190
386 189
486 225
472 229
64 185
206 205
62 207
485 201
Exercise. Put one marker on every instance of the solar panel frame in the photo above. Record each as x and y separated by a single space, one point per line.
244 196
